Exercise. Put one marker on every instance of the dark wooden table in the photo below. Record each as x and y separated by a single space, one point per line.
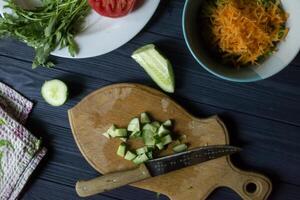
262 117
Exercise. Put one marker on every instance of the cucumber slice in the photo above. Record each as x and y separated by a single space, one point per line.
129 155
140 159
145 118
148 138
168 123
141 150
55 92
158 67
134 125
120 132
166 139
163 131
150 127
180 148
121 150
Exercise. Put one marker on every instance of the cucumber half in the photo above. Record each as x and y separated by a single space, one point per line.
55 92
157 66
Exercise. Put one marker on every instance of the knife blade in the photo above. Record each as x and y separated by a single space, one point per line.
198 155
155 167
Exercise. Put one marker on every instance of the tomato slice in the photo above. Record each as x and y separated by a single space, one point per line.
112 8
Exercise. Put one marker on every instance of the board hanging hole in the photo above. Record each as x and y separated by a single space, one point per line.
251 187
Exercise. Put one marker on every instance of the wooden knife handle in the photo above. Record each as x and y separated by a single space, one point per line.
111 181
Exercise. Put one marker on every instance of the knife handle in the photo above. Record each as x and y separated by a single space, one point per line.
111 181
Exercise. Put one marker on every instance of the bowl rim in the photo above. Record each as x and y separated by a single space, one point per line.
240 80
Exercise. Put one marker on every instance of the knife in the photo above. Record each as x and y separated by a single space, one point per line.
153 168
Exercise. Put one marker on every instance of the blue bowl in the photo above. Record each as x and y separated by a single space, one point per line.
286 50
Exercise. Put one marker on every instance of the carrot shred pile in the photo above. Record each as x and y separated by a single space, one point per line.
247 30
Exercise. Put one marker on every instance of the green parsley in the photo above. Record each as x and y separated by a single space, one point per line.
45 28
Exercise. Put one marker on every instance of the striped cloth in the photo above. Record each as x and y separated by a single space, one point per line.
20 151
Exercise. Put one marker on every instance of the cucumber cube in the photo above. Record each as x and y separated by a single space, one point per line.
124 139
111 130
166 139
180 148
145 118
168 123
120 132
129 155
141 150
163 131
134 125
160 145
121 150
148 138
140 159
150 127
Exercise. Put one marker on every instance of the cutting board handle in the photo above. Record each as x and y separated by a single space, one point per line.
249 185
111 181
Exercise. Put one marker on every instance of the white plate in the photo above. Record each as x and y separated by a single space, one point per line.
103 34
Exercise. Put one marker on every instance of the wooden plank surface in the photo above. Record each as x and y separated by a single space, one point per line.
262 117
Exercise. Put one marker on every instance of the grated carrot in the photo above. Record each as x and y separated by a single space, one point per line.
246 30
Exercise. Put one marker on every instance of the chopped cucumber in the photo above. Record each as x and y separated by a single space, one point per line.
134 125
55 92
140 159
121 150
120 132
150 127
180 148
135 134
106 135
111 130
158 67
166 139
168 123
182 138
129 155
160 145
142 150
163 131
156 136
156 124
124 139
148 138
145 118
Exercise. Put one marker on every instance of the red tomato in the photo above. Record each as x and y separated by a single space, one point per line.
112 8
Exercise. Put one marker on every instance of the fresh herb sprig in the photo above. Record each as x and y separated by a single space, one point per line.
45 28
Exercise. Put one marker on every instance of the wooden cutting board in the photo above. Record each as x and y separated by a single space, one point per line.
117 104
